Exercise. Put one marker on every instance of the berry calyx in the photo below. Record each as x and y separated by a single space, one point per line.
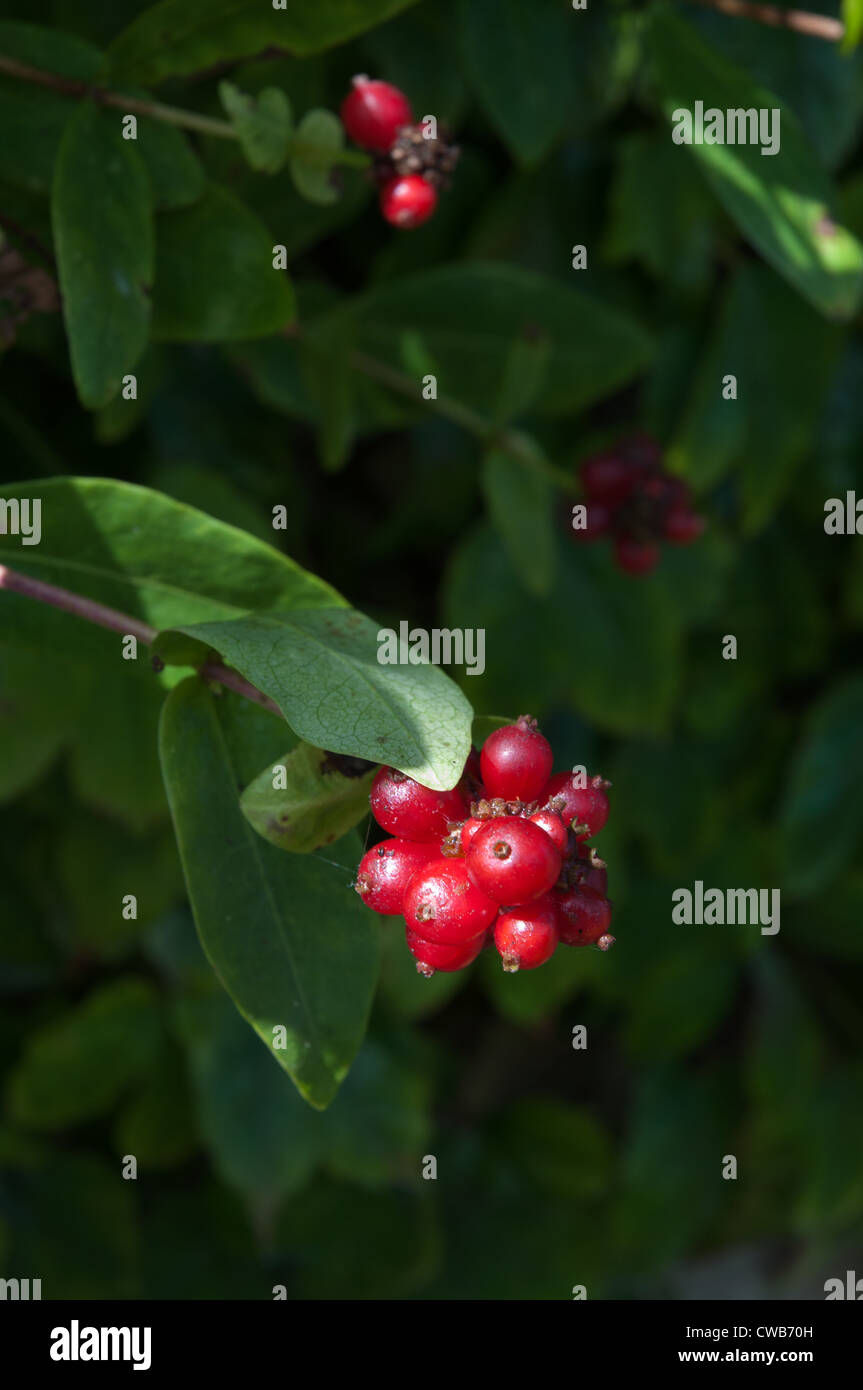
585 808
373 113
385 871
584 917
514 861
516 761
411 811
407 202
527 936
442 904
440 955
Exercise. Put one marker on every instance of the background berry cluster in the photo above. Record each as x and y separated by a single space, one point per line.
502 858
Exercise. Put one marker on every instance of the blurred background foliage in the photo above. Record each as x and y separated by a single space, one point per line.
556 1167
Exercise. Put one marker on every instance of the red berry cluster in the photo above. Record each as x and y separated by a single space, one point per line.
631 498
410 168
501 858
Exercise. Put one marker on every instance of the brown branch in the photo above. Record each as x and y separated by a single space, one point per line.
818 26
92 612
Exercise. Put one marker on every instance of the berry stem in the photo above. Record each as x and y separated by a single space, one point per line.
818 26
92 612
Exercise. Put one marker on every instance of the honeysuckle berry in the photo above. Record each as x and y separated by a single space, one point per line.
441 903
683 526
513 862
635 557
411 811
407 201
432 956
584 917
552 823
516 761
608 478
385 871
373 112
527 936
584 808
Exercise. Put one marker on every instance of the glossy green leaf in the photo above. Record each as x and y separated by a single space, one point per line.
215 280
176 174
521 505
783 202
287 937
322 670
517 58
33 118
180 36
320 135
263 124
80 1064
821 813
101 210
466 317
316 806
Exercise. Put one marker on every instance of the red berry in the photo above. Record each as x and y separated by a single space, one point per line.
468 830
641 451
440 955
608 478
598 519
411 811
552 823
442 904
581 806
683 526
408 201
513 861
373 112
385 871
527 936
590 870
635 557
584 917
516 761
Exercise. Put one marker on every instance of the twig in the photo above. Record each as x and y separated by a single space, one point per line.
93 612
818 26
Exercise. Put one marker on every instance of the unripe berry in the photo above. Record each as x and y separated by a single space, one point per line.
373 113
516 761
411 811
385 871
408 201
582 807
442 904
635 557
584 917
527 936
513 862
439 955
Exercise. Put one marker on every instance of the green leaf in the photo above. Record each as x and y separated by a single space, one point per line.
315 807
329 379
521 505
33 118
215 280
80 1064
41 696
156 1124
103 230
147 555
322 670
682 1003
176 174
783 203
466 317
517 58
822 814
113 763
287 937
181 36
321 135
263 124
852 18
628 636
765 432
561 1148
